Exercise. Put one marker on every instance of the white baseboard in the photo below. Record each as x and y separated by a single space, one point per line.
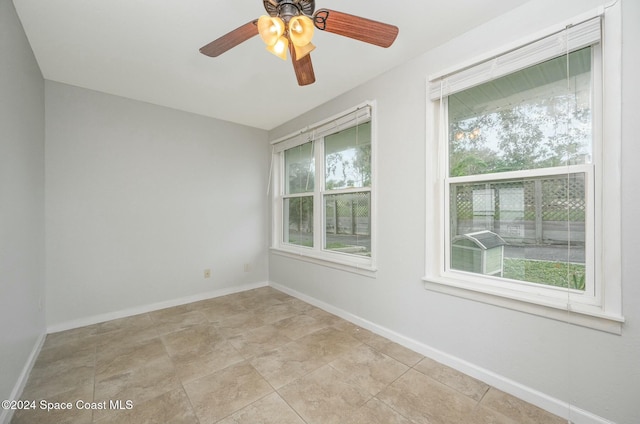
7 414
535 397
95 319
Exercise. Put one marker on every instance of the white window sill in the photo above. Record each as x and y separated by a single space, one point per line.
561 311
336 261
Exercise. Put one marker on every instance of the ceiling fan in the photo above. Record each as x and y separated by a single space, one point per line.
290 25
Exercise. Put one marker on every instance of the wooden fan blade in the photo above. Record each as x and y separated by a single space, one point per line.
362 29
302 67
231 39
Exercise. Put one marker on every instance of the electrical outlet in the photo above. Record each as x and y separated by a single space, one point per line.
247 267
207 273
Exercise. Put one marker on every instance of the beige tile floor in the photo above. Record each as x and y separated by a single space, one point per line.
256 357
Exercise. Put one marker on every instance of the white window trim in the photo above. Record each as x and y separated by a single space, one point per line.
346 262
607 314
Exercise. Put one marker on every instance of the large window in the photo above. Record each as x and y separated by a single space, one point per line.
520 166
323 194
524 177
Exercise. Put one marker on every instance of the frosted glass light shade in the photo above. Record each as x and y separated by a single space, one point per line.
301 30
304 50
279 48
270 28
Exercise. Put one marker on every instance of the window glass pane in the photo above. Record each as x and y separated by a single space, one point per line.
299 169
348 223
348 158
530 230
298 221
534 118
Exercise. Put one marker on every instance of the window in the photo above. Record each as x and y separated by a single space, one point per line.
520 165
324 191
298 196
523 179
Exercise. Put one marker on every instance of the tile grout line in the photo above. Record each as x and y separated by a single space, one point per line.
166 351
389 385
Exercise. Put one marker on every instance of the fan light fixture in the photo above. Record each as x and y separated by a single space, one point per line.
276 35
290 24
301 33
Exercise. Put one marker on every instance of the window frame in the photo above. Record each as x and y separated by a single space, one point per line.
603 311
590 296
364 265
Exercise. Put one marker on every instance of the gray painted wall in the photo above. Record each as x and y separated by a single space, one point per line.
141 199
592 370
22 320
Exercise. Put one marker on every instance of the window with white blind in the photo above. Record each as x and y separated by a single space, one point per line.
324 191
528 192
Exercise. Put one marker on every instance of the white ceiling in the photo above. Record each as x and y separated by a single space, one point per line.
148 50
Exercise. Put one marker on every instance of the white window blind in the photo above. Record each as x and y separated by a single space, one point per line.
342 121
568 40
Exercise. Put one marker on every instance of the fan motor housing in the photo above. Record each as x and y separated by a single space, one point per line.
286 9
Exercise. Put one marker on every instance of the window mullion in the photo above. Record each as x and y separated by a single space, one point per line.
514 175
348 190
295 195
